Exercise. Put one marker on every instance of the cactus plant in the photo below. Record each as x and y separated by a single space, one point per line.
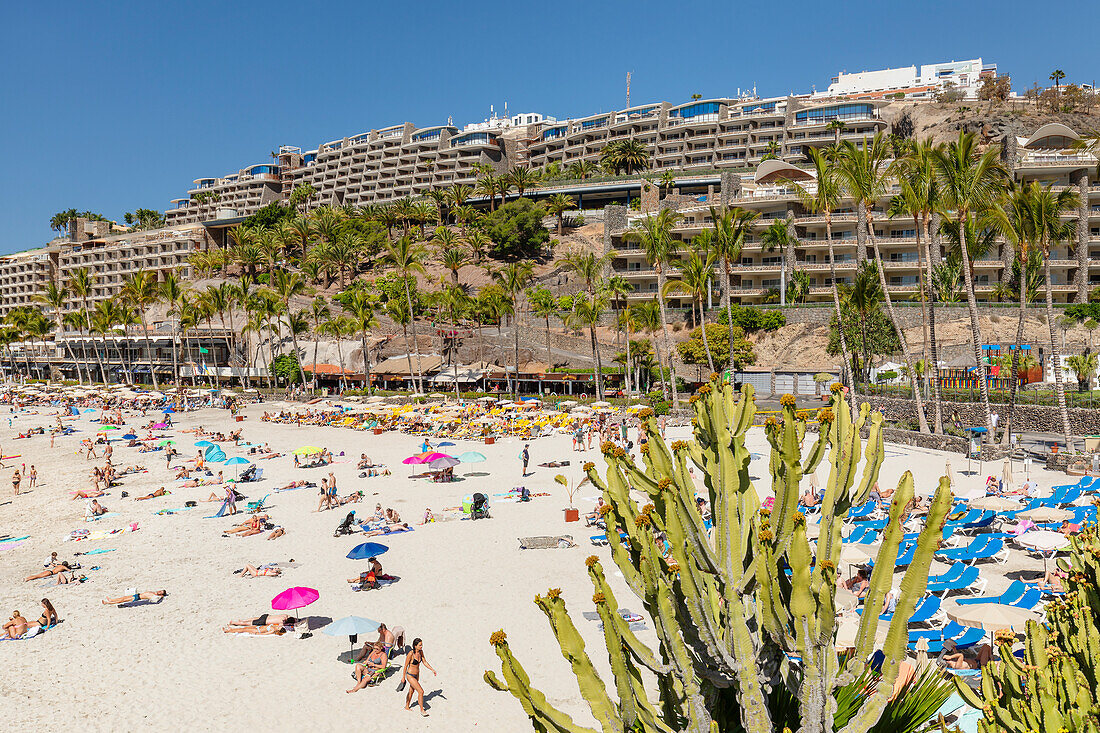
734 606
1054 686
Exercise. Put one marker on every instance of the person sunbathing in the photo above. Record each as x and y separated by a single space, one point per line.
392 517
294 485
254 525
159 492
365 672
386 530
354 498
266 623
88 494
264 571
1051 582
953 658
1069 528
15 626
97 509
367 580
592 517
61 567
134 596
810 499
859 584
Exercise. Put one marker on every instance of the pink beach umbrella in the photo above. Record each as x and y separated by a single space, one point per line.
293 598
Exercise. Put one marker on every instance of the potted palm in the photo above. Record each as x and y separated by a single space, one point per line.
571 514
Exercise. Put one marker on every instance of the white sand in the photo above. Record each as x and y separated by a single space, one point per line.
169 664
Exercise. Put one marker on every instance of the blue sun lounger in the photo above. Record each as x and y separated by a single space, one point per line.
981 548
955 580
963 637
1012 593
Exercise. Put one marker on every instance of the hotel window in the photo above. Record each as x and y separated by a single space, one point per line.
835 112
701 112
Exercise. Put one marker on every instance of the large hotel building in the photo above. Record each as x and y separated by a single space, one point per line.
734 151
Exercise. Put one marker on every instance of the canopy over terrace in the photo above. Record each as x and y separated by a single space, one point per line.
394 372
536 377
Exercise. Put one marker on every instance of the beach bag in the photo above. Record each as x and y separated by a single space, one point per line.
401 685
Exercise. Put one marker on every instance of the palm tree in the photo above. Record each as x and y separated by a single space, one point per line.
1013 219
174 292
588 265
780 236
731 229
297 324
864 297
106 316
583 169
587 309
319 312
397 313
970 181
1047 209
55 298
543 305
407 257
1056 76
617 288
82 284
361 307
1083 366
557 204
822 198
488 185
864 170
290 285
523 178
655 237
646 317
513 278
337 327
919 198
142 292
490 308
836 127
695 275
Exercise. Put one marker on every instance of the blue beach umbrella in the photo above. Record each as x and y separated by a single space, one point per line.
237 461
129 436
203 444
367 550
445 444
214 454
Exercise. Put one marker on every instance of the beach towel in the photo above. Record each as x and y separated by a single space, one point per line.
221 512
546 542
10 545
98 551
101 516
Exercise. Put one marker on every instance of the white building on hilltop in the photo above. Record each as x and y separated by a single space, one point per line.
966 76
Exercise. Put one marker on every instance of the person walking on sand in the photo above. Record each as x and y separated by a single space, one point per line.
33 476
525 456
16 479
411 674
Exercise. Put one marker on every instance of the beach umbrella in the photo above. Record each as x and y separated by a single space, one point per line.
105 428
471 457
306 450
413 460
1044 541
444 462
367 550
1006 475
994 504
203 444
432 456
166 442
168 410
90 409
857 554
237 461
214 454
160 426
845 599
992 617
1044 514
446 444
292 598
848 628
351 627
129 436
601 404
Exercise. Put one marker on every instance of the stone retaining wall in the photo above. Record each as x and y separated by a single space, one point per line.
1032 418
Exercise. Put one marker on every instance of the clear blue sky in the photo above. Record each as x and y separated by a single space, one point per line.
114 106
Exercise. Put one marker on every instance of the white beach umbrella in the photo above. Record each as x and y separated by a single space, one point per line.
1044 514
1043 540
994 504
992 617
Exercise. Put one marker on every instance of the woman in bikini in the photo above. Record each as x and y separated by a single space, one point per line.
55 570
48 619
411 674
266 623
251 571
376 661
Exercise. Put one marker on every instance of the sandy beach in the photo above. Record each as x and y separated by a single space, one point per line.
169 664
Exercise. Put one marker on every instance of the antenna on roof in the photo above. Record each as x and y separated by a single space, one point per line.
628 88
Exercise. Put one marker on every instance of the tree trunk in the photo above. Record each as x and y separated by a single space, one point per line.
416 345
69 350
933 367
339 355
596 363
549 360
664 336
726 305
1011 417
515 340
922 419
846 357
975 330
862 224
366 363
1056 356
627 374
148 348
175 361
95 346
706 346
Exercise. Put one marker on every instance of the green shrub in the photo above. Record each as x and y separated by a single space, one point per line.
753 319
